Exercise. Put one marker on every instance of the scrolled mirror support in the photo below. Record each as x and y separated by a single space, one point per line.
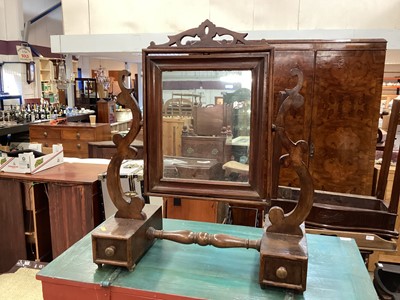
132 209
290 223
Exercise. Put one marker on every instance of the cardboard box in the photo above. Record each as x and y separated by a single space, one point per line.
27 163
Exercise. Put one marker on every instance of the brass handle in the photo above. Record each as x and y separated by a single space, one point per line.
109 251
78 135
78 146
281 273
131 194
45 134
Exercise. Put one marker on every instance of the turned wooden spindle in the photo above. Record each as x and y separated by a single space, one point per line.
203 239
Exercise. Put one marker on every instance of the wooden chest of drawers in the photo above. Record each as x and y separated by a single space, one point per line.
73 136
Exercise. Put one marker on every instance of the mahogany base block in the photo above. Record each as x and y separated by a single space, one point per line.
122 242
283 260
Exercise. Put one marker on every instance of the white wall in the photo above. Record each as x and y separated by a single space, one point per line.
126 26
14 13
107 64
14 75
11 20
137 16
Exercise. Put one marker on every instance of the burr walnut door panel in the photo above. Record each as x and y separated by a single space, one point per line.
345 115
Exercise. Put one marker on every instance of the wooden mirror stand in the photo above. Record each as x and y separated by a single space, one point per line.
123 239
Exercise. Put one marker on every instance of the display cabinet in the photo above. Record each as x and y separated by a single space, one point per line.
86 93
47 87
47 71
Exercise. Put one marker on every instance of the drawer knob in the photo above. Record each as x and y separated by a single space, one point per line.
78 135
78 146
281 273
46 144
45 134
109 251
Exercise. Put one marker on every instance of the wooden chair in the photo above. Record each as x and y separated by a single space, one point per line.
178 107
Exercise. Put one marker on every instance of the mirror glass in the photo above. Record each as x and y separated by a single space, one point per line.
206 124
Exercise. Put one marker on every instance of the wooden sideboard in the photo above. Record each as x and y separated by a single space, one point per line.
73 136
57 207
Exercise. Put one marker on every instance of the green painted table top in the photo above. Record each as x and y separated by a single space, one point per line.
335 270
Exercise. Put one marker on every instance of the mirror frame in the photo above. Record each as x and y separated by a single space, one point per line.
209 55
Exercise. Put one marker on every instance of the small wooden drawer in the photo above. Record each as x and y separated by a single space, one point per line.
46 142
76 149
78 134
44 133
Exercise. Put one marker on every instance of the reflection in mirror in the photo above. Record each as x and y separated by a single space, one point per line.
206 124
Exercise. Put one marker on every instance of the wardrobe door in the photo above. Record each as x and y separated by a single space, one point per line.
346 101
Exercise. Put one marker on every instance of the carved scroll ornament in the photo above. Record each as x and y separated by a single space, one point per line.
205 34
133 208
290 223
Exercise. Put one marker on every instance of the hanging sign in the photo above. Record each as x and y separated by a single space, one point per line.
24 54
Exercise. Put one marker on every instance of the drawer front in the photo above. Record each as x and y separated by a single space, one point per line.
45 142
43 133
78 134
76 149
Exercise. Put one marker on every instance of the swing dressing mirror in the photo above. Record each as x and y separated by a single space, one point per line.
208 118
